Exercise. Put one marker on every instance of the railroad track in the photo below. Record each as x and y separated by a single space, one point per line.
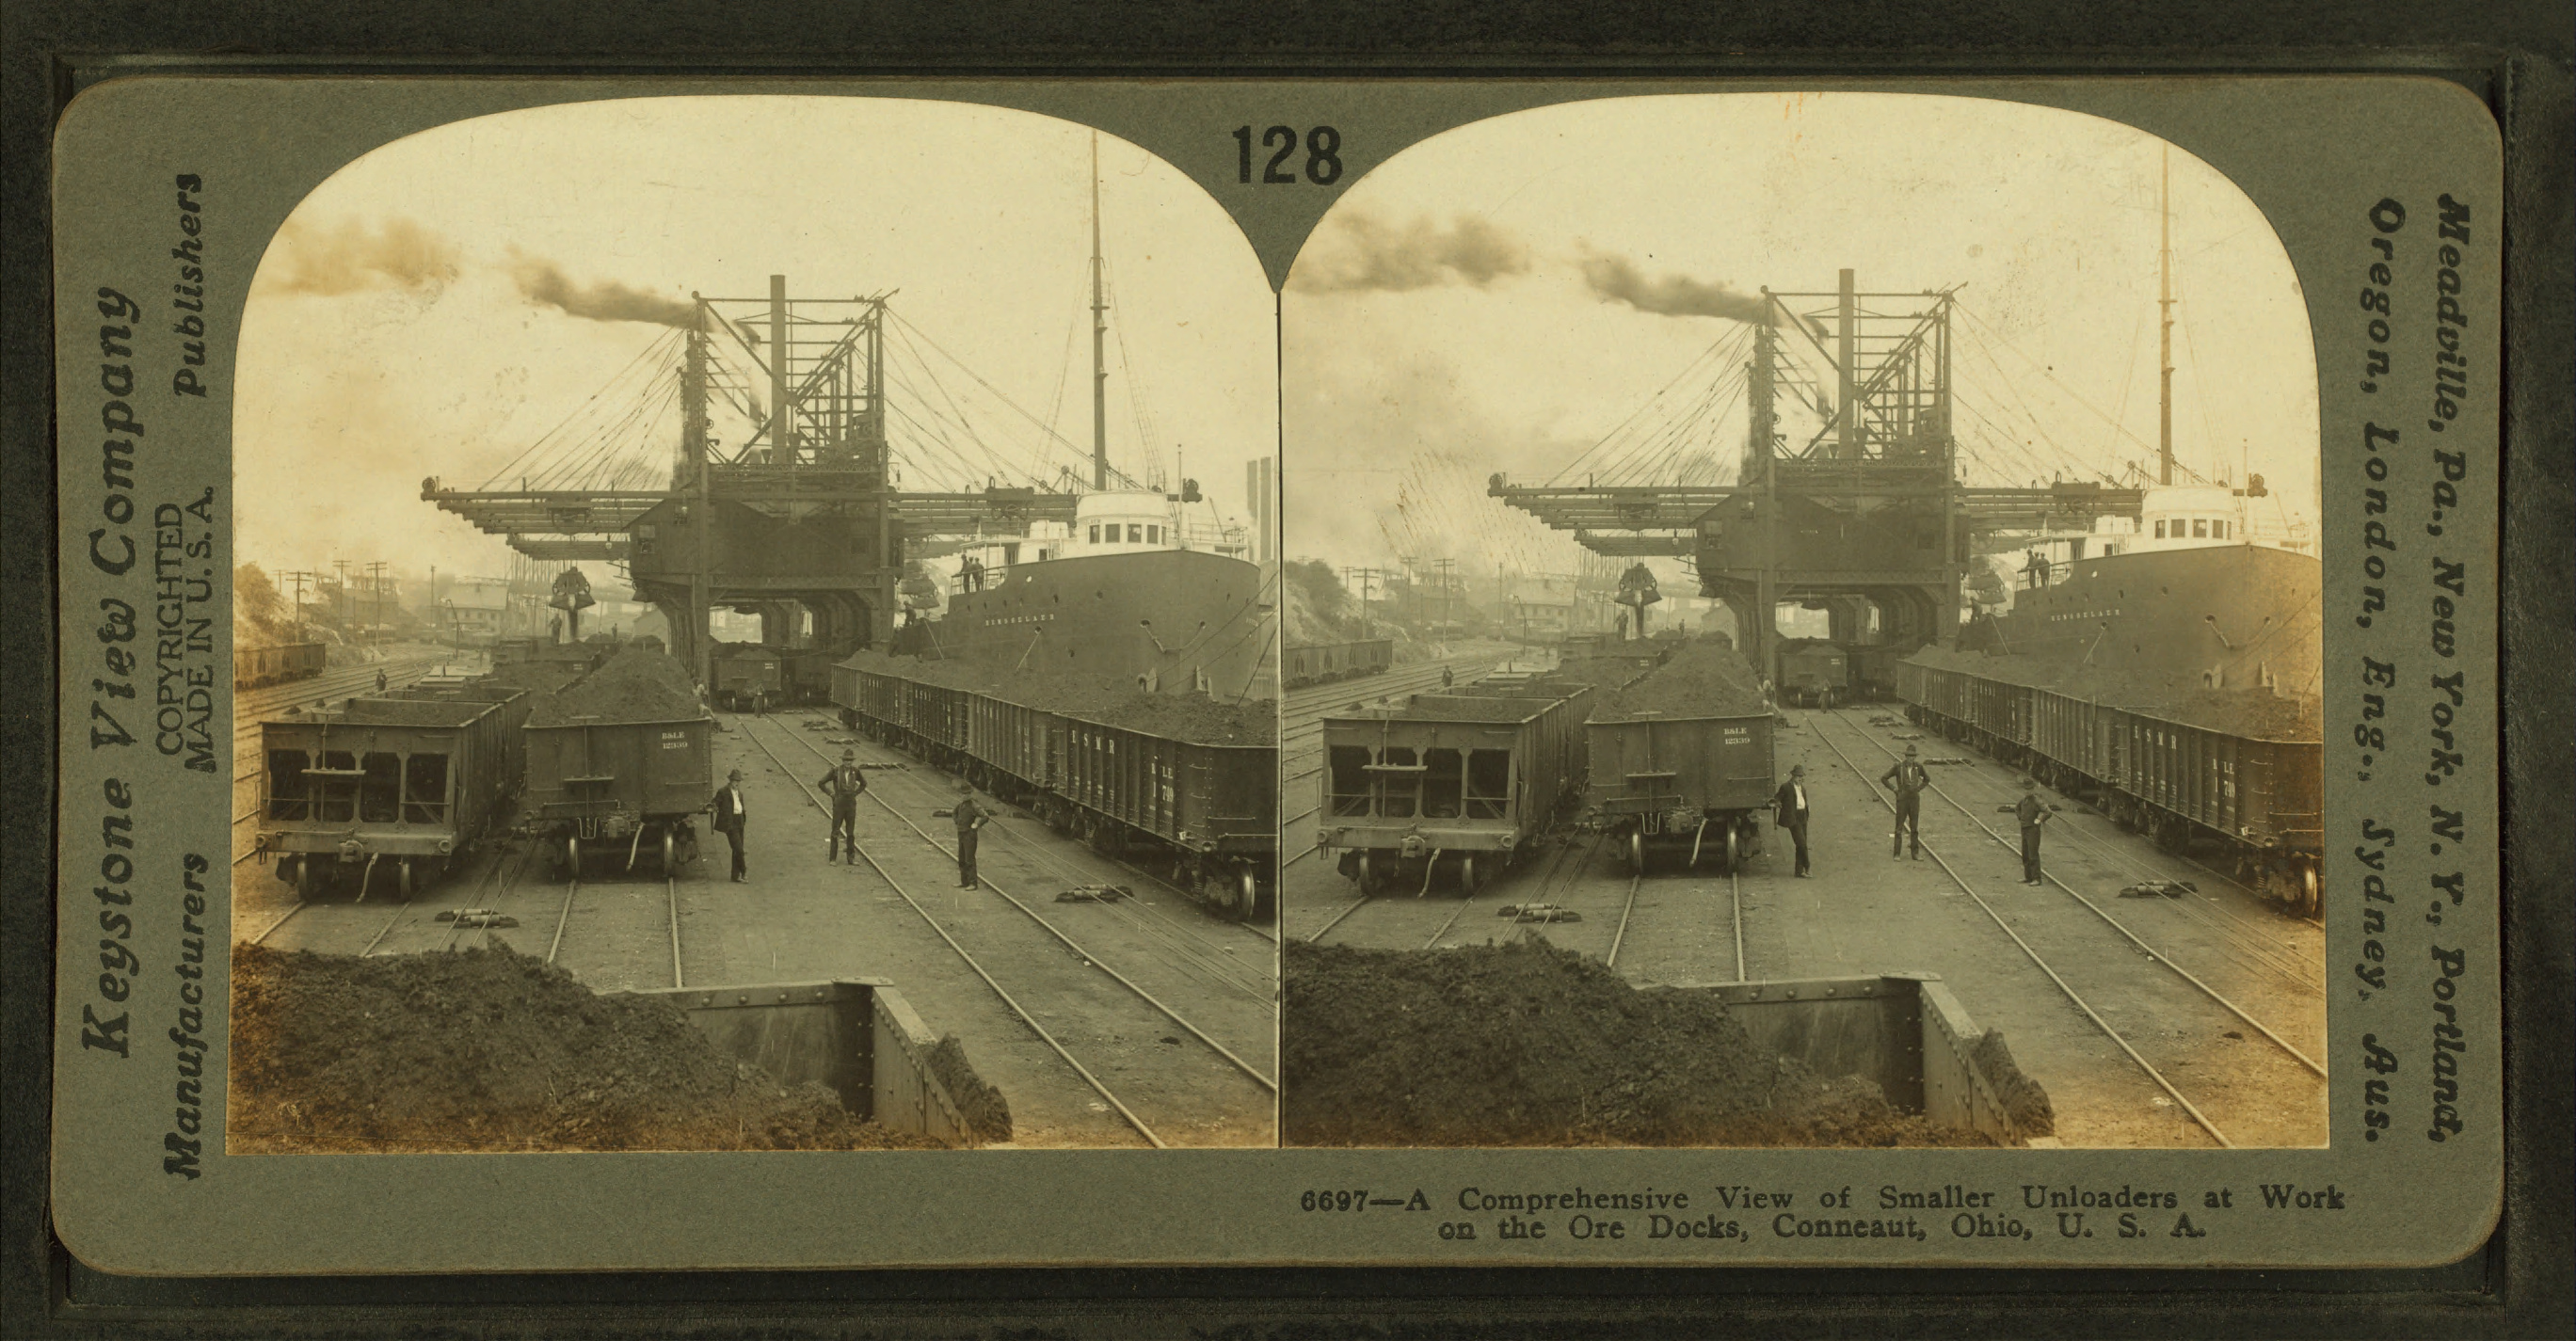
1268 1086
2171 994
1185 936
2244 936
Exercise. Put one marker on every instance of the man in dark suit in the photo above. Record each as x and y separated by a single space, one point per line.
970 817
727 808
1790 804
1909 778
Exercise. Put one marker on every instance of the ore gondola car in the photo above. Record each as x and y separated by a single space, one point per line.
1323 663
1470 779
414 783
1873 669
747 676
1686 778
1210 810
1814 673
805 674
621 762
2253 797
254 667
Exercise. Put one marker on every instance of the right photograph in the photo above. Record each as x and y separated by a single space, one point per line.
1802 627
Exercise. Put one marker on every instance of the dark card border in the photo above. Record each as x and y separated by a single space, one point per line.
2514 53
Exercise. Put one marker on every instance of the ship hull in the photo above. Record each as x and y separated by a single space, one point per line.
1177 618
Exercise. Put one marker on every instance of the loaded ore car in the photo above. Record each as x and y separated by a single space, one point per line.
393 782
1463 782
805 674
1612 662
1873 669
514 701
1814 673
254 667
1323 663
1186 782
1681 761
2233 775
620 763
747 676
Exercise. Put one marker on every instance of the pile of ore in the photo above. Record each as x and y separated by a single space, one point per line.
637 685
1198 718
1703 678
1525 1044
495 1050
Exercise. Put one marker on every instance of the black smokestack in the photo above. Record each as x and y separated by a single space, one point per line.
1364 253
1615 280
544 284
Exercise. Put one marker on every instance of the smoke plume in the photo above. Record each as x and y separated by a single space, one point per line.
396 254
1615 280
541 282
1363 253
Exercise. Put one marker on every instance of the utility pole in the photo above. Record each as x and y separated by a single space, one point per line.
376 597
693 453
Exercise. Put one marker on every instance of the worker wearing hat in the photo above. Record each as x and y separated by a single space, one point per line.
727 808
1790 805
843 784
970 817
1908 778
2032 813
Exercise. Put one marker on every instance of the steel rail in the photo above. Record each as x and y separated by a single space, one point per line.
1027 1016
2151 952
2034 956
1169 927
2274 953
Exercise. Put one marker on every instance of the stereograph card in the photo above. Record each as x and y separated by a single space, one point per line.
934 672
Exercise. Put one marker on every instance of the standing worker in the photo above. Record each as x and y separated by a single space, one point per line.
1909 778
382 683
843 784
2032 814
1791 804
1446 679
970 817
728 812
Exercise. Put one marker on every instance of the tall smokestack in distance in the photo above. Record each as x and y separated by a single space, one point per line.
782 449
1846 341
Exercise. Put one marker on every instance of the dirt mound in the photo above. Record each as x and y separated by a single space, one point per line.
987 1113
1197 718
2024 1101
1527 1044
1702 679
494 1050
636 685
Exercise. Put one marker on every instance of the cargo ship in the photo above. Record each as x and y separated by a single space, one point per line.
2169 675
1145 585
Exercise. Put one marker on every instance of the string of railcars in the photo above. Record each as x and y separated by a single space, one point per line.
401 786
258 667
2246 796
1323 663
1210 811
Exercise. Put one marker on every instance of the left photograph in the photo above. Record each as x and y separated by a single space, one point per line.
758 629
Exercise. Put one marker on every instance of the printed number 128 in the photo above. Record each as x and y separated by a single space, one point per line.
1323 147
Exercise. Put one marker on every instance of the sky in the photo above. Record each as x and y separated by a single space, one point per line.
416 318
1504 296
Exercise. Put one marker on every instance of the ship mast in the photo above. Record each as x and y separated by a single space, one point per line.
1099 334
2164 310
